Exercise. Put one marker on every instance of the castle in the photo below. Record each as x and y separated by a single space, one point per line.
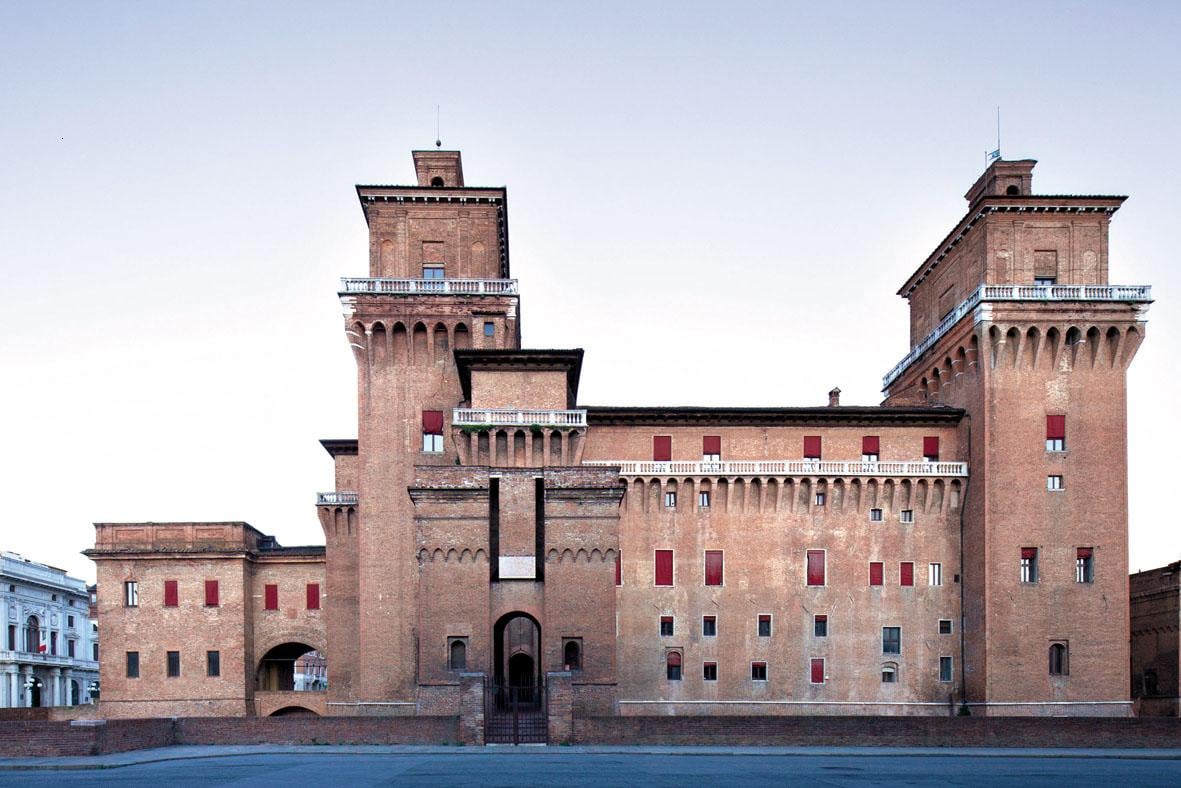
962 545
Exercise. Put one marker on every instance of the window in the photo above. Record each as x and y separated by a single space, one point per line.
870 448
672 666
931 449
173 664
670 500
432 271
133 664
875 515
70 647
619 568
1054 482
820 626
1084 565
94 651
703 499
906 516
1059 659
711 448
709 626
709 671
662 448
664 567
489 329
666 626
212 664
1055 433
906 573
891 640
456 654
313 596
713 567
271 597
70 622
212 593
889 673
1028 564
815 567
817 670
945 668
764 625
876 573
812 447
1041 281
945 626
820 499
130 594
934 574
170 593
12 637
572 653
53 643
758 671
432 431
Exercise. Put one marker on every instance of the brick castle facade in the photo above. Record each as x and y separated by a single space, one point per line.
963 543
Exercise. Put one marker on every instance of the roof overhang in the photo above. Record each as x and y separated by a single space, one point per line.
569 361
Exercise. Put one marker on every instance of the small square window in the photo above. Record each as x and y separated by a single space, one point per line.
820 626
906 516
666 626
1054 482
709 626
489 329
875 515
889 674
432 444
703 499
173 664
710 671
670 500
764 625
820 499
945 626
758 671
945 668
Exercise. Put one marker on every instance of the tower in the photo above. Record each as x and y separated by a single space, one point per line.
1013 319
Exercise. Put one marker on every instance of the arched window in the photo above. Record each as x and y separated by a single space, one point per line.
890 673
437 181
672 665
1059 660
572 655
457 658
1013 190
32 634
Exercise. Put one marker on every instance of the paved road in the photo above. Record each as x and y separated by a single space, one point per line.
501 768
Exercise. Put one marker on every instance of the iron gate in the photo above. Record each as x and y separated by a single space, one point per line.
515 715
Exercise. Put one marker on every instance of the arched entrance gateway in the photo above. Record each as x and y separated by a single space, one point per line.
514 707
517 650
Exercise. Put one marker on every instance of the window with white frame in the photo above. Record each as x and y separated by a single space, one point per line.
1084 565
1054 482
130 593
670 500
945 669
875 515
820 499
703 499
906 516
1028 564
934 574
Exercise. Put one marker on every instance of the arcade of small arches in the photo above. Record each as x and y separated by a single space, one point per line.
419 344
519 447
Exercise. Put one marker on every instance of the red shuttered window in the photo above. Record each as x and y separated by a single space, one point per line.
271 597
662 448
812 447
211 594
871 444
818 671
170 594
1055 428
432 422
711 447
931 448
875 573
815 567
664 567
906 573
619 569
713 567
313 596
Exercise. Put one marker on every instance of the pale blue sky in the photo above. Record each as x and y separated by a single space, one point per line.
717 201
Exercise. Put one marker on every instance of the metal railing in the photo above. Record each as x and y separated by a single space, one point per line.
428 286
785 468
336 499
478 417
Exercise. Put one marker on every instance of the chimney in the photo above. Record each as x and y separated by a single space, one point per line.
834 398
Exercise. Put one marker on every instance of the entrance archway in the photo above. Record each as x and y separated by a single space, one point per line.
520 671
277 670
516 641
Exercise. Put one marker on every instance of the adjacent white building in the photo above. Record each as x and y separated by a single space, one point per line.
50 642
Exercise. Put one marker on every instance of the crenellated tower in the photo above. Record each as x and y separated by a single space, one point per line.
1013 319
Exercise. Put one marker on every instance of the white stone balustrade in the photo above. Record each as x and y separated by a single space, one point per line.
428 286
336 499
484 417
785 468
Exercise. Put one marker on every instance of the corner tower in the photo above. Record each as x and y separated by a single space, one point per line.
1013 319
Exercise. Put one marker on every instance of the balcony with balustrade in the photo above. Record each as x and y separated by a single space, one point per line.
466 287
507 437
338 498
786 468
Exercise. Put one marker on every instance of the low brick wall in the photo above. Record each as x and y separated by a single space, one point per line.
880 731
51 738
317 730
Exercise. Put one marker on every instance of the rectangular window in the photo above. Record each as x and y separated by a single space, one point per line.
1054 482
94 651
945 668
711 448
812 447
664 567
670 500
906 573
53 643
906 516
133 664
619 568
170 593
313 596
489 329
131 594
891 640
710 671
173 664
212 593
764 625
815 567
709 626
213 664
945 626
876 573
817 671
875 515
871 447
70 620
889 674
1028 564
820 626
70 648
934 574
713 567
271 597
1055 433
12 637
703 499
662 448
432 431
931 448
432 272
672 665
666 626
1084 565
758 671
820 499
